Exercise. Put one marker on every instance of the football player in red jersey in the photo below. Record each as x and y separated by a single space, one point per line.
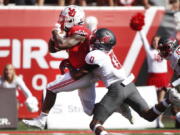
72 35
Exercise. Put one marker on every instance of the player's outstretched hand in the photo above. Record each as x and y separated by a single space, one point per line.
57 32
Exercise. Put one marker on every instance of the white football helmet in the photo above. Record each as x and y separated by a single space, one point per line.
70 16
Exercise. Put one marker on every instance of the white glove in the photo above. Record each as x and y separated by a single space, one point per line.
32 104
57 27
61 33
91 22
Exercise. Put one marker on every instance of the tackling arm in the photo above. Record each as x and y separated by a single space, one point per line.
66 43
176 82
77 74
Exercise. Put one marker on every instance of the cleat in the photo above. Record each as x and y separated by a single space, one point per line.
37 122
177 124
159 123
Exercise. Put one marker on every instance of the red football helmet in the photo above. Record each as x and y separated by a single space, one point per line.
166 46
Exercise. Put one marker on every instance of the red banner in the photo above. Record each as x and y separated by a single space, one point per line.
24 34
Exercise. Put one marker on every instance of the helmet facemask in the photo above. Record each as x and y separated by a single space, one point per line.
101 46
166 46
164 50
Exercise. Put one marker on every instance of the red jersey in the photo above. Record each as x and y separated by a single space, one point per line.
78 53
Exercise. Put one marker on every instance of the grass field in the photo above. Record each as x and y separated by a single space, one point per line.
23 130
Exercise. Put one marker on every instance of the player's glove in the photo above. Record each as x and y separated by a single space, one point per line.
32 104
57 27
57 32
57 38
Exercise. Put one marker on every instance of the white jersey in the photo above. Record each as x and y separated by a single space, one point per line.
110 70
174 58
16 83
155 63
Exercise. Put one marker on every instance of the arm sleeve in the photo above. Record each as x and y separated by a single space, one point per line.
23 87
176 82
146 45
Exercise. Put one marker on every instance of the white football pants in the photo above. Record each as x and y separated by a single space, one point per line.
85 86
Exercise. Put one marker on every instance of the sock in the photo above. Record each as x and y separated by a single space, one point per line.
43 116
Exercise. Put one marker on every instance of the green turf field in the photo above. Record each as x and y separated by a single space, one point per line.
24 130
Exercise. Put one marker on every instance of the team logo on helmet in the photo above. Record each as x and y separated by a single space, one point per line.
105 39
178 51
72 12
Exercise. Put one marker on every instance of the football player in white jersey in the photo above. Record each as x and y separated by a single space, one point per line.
120 87
92 23
9 79
170 49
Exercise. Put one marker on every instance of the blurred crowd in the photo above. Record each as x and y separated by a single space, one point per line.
168 4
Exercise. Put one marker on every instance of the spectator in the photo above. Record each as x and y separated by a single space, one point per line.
61 2
4 2
78 2
105 3
40 2
174 5
163 3
25 2
144 3
51 2
157 70
1 2
9 79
